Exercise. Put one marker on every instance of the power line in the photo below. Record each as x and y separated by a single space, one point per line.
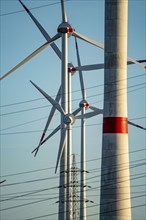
33 193
73 100
48 168
41 196
25 123
37 191
55 193
30 193
51 188
30 203
77 99
42 6
42 118
89 178
72 92
51 214
38 7
50 129
43 200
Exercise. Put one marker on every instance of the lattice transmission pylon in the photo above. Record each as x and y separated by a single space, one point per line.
75 190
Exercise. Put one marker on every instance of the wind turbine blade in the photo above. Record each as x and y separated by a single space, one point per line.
54 132
61 147
75 34
58 96
88 115
2 181
51 100
50 135
57 99
36 150
64 16
136 125
90 67
101 65
80 72
32 55
132 61
100 111
76 111
42 30
139 61
95 43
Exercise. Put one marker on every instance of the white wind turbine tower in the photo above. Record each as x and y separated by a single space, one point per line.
64 31
84 105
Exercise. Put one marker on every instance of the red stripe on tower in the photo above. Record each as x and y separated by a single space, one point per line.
115 125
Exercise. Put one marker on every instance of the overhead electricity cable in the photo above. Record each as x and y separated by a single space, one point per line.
33 196
43 196
143 162
52 214
25 123
44 200
36 191
74 91
30 193
123 167
88 178
31 181
35 120
133 206
48 168
77 99
30 203
90 189
77 126
37 7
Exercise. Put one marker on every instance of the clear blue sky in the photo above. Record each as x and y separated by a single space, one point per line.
24 111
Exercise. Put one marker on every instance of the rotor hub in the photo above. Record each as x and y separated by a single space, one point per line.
69 119
71 68
84 104
64 28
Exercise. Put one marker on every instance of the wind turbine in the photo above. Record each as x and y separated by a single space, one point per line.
84 105
67 120
63 28
65 127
